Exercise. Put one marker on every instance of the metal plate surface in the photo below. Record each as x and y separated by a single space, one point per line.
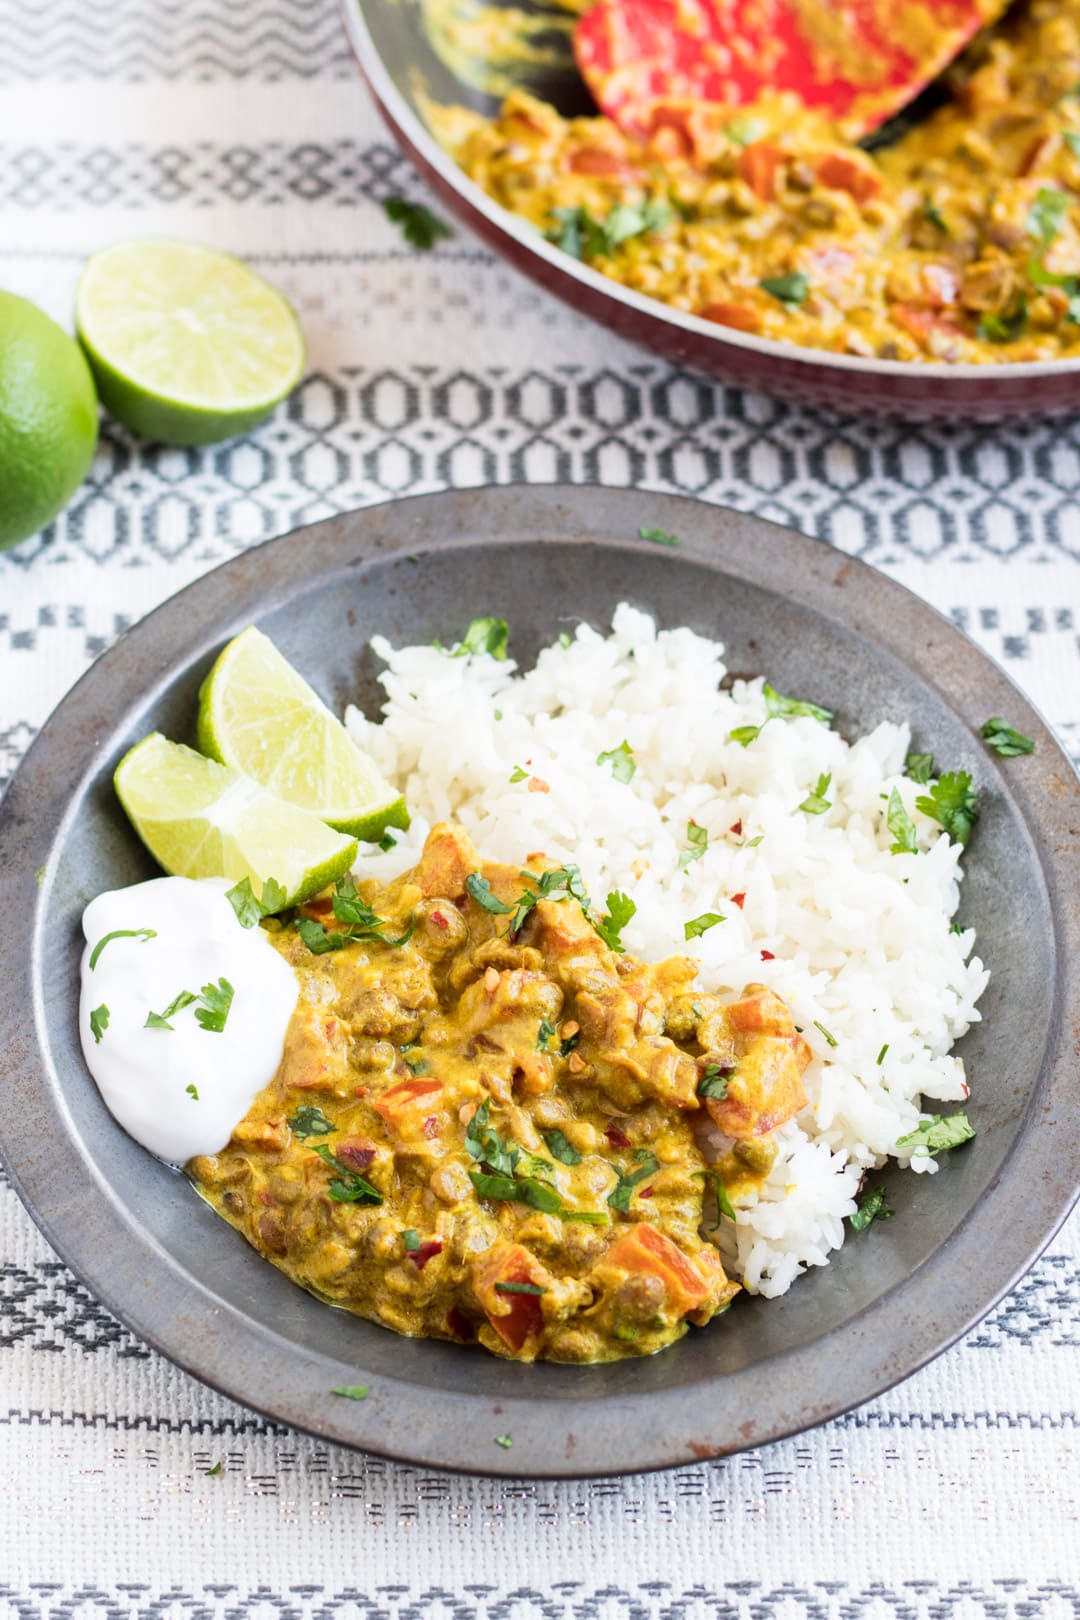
819 624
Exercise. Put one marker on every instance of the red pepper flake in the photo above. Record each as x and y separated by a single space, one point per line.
738 900
646 1192
439 920
268 1199
431 1126
767 956
427 1251
616 1137
360 1091
736 830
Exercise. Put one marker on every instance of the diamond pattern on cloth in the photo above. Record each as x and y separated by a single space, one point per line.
132 1492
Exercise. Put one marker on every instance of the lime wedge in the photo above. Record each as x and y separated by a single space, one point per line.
200 819
188 346
257 714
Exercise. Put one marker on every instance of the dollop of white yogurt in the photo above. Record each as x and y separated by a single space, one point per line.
180 1091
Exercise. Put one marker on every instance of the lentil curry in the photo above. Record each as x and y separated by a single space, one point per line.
486 1121
957 243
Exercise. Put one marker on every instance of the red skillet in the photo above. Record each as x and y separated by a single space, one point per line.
856 61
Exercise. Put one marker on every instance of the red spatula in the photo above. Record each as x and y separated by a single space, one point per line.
855 61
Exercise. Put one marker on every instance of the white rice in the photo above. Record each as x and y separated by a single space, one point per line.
860 937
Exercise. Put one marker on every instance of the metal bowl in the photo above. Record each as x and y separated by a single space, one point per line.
393 49
544 557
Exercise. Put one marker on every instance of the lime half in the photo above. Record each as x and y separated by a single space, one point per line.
188 346
257 714
200 819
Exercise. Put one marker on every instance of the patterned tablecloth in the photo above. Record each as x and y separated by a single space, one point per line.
957 1494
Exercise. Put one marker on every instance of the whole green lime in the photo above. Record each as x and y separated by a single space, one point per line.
48 419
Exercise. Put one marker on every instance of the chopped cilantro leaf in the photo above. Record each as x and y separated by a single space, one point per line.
583 236
1004 739
519 1288
485 636
881 1055
872 1207
621 760
518 775
744 129
659 537
387 842
348 1186
161 1020
936 1134
1046 214
411 1239
789 290
419 226
701 925
349 907
310 1120
780 707
316 937
901 826
698 839
620 1196
933 216
714 1082
212 1009
119 933
193 1092
212 1473
744 735
561 1148
250 909
816 804
545 1035
504 1440
1006 327
620 909
832 1040
99 1022
953 803
919 767
352 1392
480 890
723 1202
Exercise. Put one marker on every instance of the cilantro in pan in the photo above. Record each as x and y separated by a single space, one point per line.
99 1022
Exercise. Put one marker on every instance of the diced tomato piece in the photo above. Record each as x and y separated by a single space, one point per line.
758 164
761 1011
395 1103
921 323
743 317
594 160
459 1325
515 1317
842 172
641 1248
427 1251
765 1090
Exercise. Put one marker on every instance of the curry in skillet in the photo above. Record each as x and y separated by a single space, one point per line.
486 1124
957 243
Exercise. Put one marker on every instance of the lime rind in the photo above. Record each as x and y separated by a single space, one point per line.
200 819
258 715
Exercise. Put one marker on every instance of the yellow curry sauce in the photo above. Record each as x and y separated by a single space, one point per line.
487 1128
958 243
